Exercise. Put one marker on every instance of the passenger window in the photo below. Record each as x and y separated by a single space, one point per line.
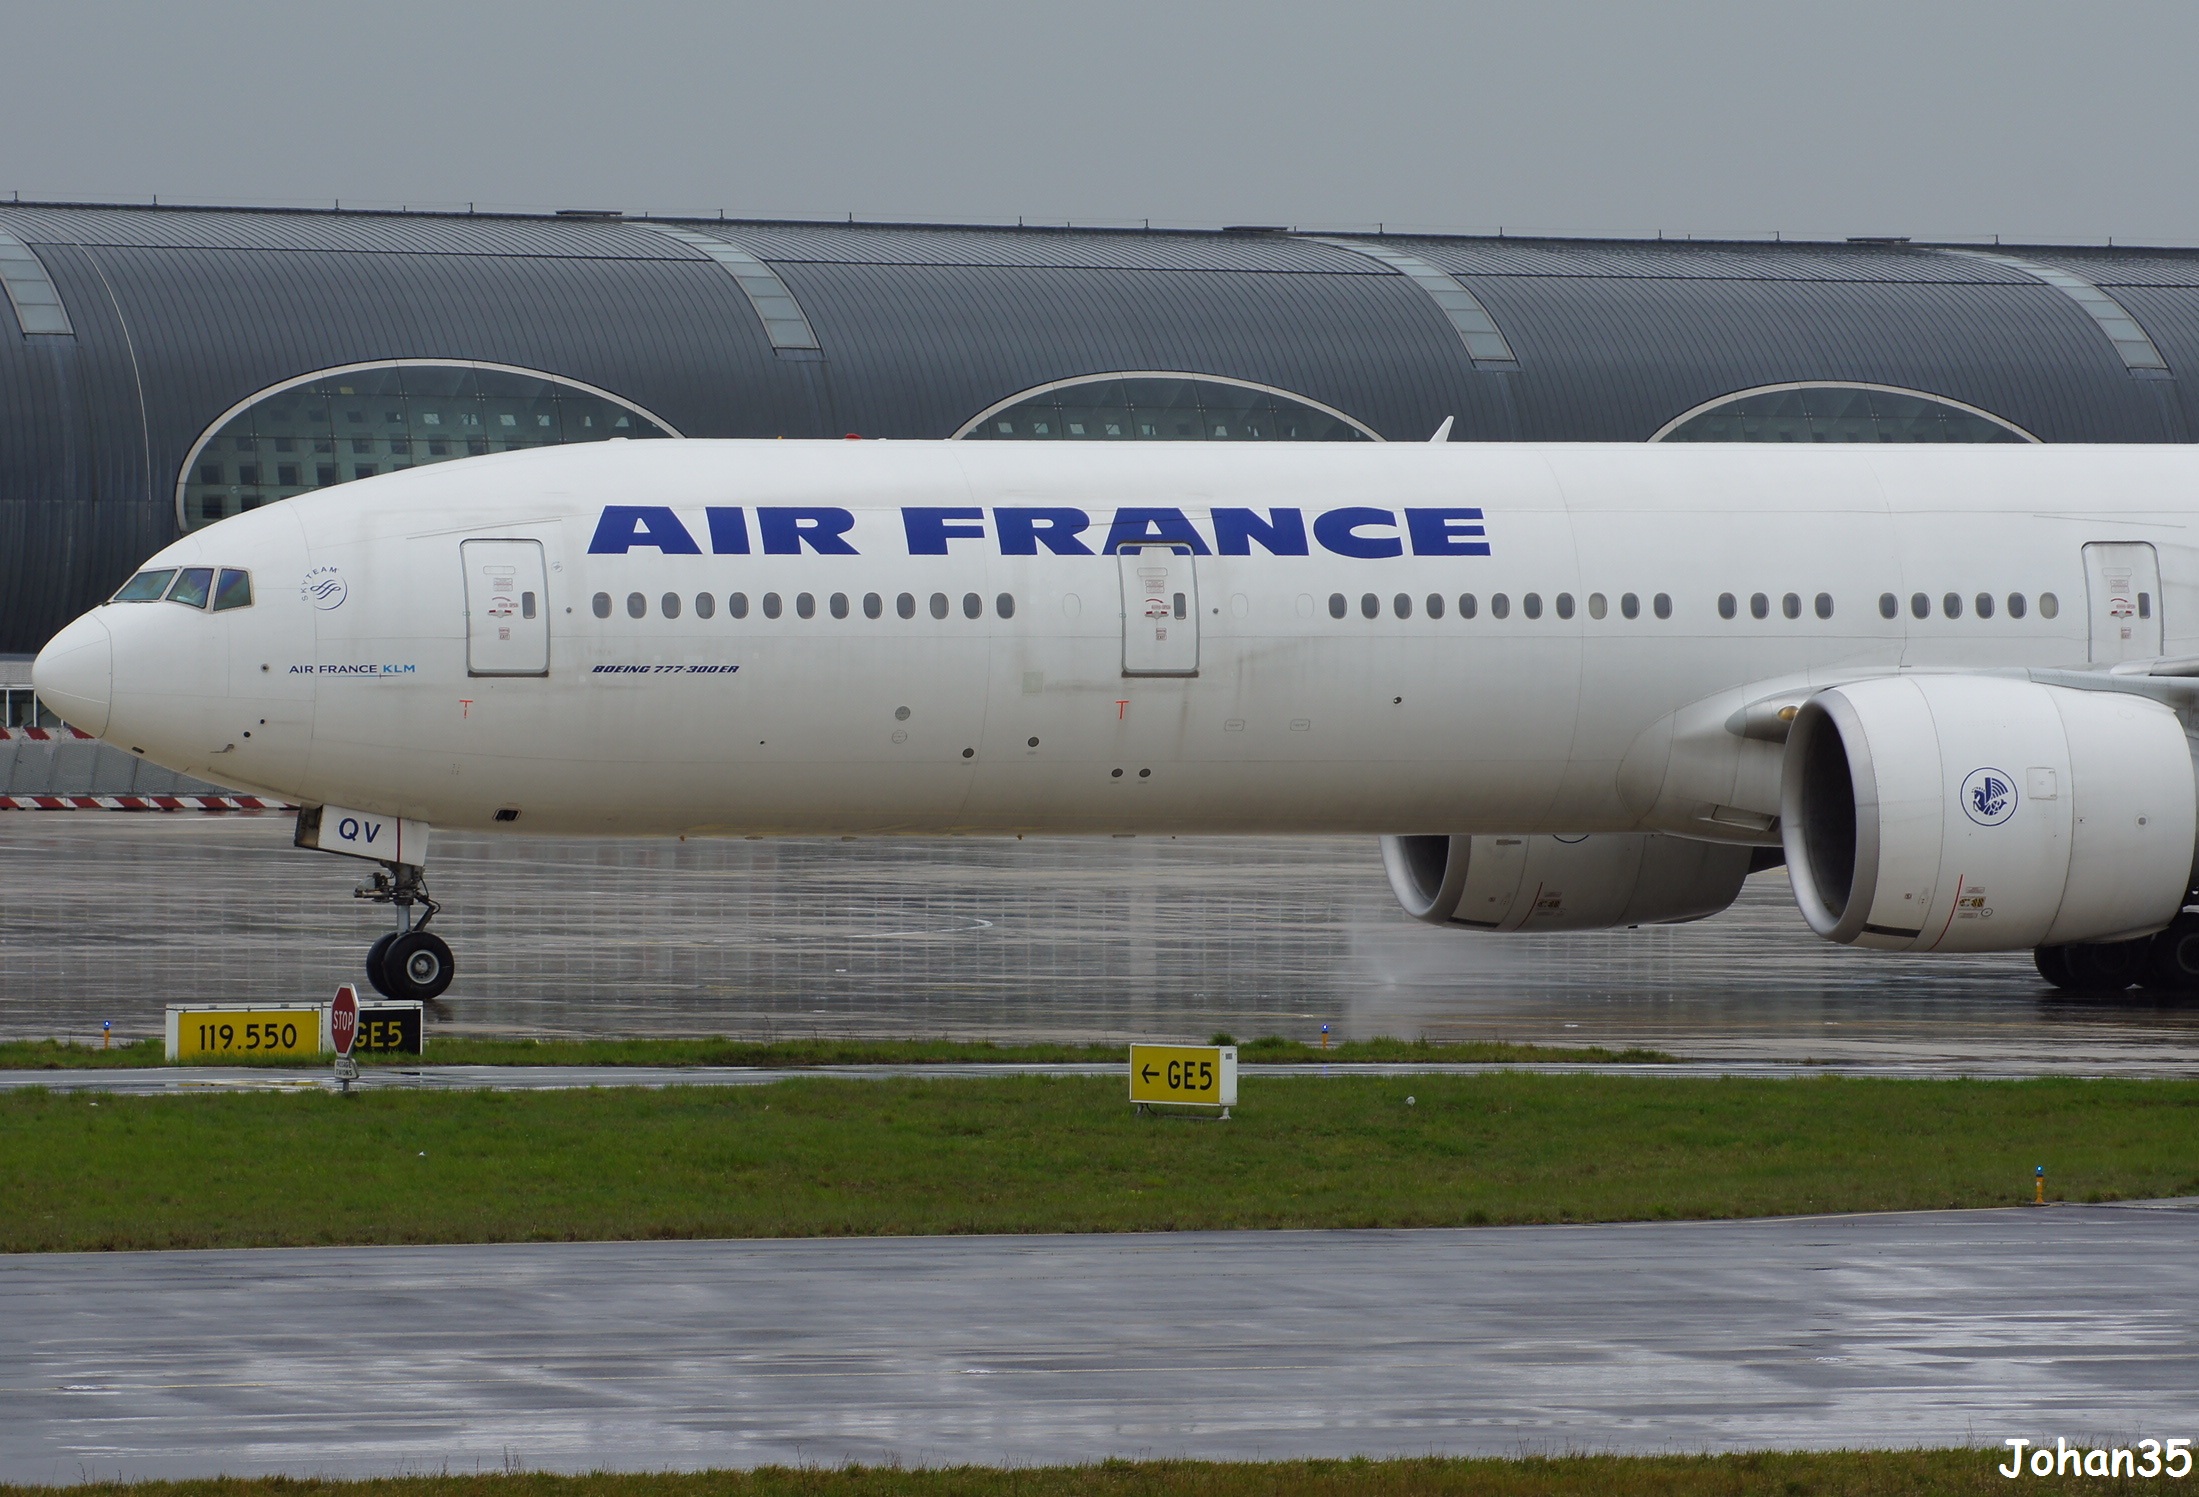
2145 605
1630 606
1531 605
805 604
939 605
1597 607
636 606
1370 606
1402 605
192 587
1920 605
145 587
1791 605
1728 606
1759 606
2015 605
235 591
1500 606
905 605
1467 606
1565 605
1951 605
737 605
773 607
1336 605
839 605
1984 604
974 607
603 605
1435 605
1005 605
706 605
1824 605
1888 605
526 605
670 603
1663 605
2049 606
874 607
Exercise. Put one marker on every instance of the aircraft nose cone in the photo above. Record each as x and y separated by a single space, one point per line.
75 674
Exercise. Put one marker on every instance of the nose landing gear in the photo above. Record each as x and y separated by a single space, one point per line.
411 961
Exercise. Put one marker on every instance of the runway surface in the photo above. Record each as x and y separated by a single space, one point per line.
111 915
1934 1328
198 1079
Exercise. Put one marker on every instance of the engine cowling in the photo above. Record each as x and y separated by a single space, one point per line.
1552 883
1975 813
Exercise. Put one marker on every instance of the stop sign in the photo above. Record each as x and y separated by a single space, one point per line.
343 1019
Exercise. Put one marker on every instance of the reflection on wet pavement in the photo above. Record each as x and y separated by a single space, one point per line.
111 915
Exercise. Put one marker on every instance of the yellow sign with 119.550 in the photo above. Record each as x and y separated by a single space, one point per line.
245 1032
1193 1075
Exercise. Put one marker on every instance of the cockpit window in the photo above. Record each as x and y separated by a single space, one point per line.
192 586
145 586
235 590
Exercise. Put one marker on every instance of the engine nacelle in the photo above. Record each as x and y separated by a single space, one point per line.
1973 813
1552 883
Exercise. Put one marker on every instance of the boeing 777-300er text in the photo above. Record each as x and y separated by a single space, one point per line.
1570 686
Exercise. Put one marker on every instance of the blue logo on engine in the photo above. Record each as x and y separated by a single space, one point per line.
1989 796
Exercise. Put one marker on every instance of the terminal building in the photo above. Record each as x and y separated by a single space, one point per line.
162 368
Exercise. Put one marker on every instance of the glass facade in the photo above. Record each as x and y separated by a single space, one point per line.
1163 408
1839 413
356 423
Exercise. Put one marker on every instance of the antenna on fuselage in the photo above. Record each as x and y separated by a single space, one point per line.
1443 432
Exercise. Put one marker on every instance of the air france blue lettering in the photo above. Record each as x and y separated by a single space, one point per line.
1446 532
1283 533
1023 531
787 528
1338 530
929 530
728 531
1160 527
625 526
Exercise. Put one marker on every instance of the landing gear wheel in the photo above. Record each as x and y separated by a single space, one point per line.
417 965
2173 961
375 953
2052 962
2107 966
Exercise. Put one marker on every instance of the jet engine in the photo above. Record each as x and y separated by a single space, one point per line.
1974 813
1563 883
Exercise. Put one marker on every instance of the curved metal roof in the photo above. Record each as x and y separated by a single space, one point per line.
180 313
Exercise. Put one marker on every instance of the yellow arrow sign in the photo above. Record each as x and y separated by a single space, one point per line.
1193 1075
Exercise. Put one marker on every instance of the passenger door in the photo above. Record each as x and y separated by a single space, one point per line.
1160 611
2123 589
507 608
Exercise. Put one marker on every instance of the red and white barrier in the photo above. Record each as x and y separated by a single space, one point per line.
62 734
141 803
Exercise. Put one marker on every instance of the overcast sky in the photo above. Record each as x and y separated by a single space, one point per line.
1958 119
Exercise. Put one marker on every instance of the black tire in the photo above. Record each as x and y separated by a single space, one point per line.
418 965
2053 965
2107 966
375 953
2173 962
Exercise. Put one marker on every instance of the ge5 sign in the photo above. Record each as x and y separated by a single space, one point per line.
1184 1075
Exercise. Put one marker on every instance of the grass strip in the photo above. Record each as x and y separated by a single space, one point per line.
1834 1473
817 1157
472 1050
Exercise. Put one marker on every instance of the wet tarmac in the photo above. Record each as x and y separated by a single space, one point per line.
108 916
1938 1328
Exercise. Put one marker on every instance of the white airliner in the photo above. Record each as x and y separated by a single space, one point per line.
1571 686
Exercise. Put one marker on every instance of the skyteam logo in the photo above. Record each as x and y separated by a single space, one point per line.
1989 796
323 588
